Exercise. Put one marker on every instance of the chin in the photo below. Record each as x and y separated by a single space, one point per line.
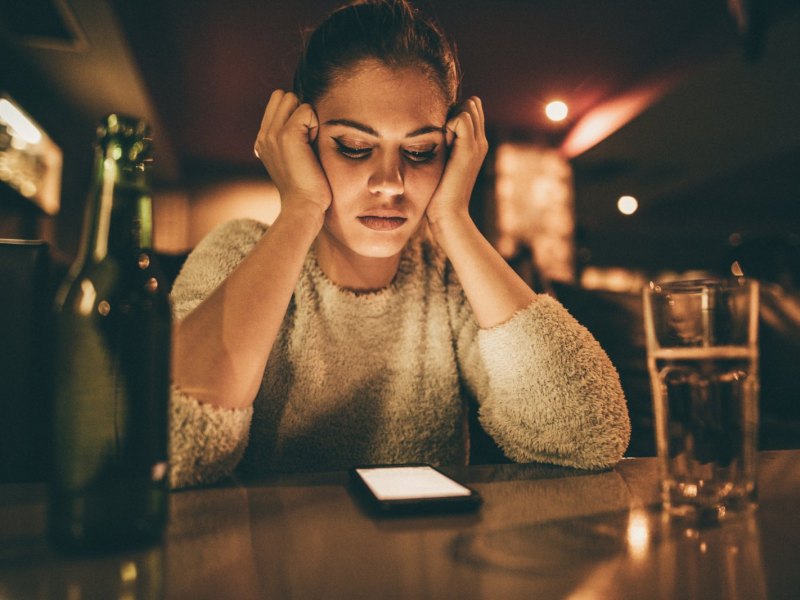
380 248
375 244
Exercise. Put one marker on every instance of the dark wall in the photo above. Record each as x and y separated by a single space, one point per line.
72 131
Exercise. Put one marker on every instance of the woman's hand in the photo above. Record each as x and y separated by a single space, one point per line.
284 145
494 291
466 137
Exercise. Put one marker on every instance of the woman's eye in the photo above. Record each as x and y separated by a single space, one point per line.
351 152
420 156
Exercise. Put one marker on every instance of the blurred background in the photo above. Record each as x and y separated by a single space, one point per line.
687 109
630 140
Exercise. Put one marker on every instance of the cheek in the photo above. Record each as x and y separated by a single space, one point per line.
423 180
342 179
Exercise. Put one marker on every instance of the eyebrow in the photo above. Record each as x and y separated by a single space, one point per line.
370 131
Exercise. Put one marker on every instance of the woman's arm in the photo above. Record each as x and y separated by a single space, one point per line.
547 391
222 346
495 292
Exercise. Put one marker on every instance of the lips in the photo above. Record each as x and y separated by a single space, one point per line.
381 223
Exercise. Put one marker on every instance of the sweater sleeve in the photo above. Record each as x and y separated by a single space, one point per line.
207 442
546 390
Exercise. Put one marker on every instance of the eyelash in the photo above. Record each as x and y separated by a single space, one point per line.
361 153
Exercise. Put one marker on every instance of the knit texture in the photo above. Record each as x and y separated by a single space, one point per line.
382 377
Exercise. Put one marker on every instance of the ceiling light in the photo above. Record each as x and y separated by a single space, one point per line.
556 110
627 205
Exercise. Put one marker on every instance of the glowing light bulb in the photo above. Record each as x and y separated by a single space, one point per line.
627 205
556 110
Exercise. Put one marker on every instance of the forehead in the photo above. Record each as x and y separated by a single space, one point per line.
384 98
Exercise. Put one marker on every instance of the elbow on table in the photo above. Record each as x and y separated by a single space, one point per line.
601 438
205 442
589 453
593 441
603 443
589 456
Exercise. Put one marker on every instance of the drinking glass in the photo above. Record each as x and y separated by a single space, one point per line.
702 356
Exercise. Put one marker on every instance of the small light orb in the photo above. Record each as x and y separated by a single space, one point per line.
736 269
556 110
627 205
128 572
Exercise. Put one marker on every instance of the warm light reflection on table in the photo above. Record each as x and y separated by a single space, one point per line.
542 532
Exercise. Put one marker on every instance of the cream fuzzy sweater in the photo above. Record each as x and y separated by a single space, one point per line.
382 377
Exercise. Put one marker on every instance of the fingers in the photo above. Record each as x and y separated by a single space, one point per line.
285 116
301 128
468 123
474 107
286 107
467 130
460 128
309 117
278 109
274 99
480 131
284 147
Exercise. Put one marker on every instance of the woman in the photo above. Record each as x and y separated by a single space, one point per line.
353 328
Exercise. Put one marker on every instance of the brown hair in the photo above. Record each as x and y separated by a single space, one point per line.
391 31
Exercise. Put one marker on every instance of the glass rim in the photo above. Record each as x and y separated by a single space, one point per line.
687 286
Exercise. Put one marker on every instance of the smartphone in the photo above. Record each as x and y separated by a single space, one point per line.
416 488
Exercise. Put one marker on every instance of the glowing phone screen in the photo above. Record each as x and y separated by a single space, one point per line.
409 483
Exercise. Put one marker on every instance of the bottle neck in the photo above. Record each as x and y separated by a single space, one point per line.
119 218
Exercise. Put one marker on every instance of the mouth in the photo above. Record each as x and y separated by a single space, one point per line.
382 223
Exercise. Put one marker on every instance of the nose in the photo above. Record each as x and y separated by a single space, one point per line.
387 178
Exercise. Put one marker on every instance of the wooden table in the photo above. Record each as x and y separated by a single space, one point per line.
543 532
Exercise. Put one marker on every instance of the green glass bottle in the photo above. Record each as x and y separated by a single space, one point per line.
111 370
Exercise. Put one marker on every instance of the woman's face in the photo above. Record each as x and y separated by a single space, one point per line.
382 146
